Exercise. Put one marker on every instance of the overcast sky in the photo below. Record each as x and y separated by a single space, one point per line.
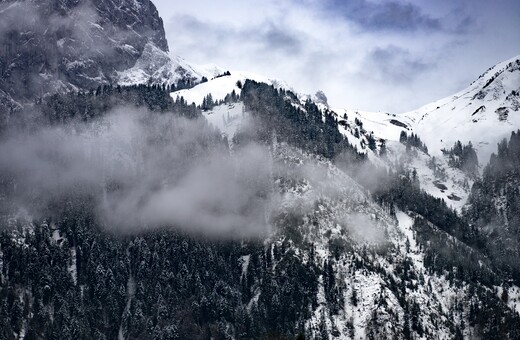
373 55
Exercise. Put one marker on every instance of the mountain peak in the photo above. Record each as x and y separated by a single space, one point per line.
49 46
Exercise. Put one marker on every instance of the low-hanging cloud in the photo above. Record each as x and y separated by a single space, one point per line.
140 171
363 229
144 171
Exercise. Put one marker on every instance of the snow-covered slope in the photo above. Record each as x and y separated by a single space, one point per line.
434 174
220 86
158 67
383 125
484 113
379 246
227 118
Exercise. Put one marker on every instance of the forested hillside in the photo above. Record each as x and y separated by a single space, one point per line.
337 262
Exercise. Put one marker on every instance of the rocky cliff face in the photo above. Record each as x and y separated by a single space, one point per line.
56 45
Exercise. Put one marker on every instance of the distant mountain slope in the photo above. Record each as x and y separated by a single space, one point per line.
484 113
359 127
222 84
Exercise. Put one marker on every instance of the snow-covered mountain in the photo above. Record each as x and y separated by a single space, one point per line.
435 174
439 125
344 216
484 113
367 237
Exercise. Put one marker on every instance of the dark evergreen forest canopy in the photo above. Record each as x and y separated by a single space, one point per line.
305 129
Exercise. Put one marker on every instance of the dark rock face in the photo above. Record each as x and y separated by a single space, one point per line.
55 45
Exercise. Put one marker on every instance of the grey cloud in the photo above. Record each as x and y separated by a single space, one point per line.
464 26
396 64
268 35
399 16
391 15
19 14
279 38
